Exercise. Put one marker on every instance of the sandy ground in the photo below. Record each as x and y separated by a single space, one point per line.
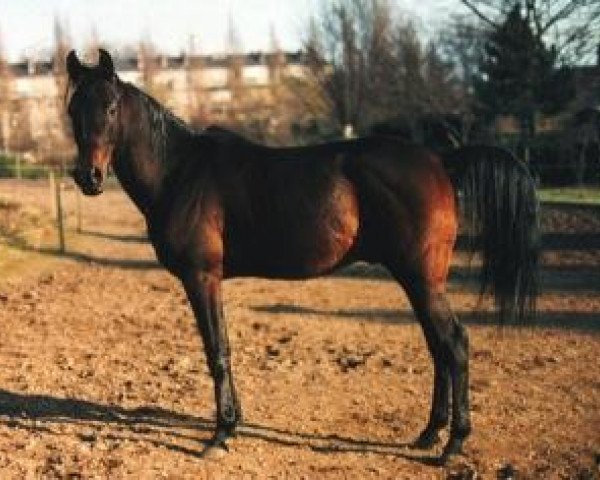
103 374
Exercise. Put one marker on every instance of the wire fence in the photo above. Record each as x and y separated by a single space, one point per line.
16 166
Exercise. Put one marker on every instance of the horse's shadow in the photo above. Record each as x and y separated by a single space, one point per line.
153 424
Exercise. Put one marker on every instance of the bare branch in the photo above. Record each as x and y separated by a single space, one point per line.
471 6
571 26
565 12
533 14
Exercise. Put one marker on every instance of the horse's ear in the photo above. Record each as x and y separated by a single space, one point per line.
74 66
105 65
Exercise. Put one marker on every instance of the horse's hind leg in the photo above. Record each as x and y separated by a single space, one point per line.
454 354
424 283
457 344
440 406
448 344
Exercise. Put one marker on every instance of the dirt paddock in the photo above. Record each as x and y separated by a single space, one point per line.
103 374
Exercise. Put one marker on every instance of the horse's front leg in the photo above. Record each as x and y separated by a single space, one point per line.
204 293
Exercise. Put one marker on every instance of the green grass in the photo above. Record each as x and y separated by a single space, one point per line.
581 195
8 169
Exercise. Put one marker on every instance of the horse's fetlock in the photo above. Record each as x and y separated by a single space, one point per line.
462 430
229 417
460 332
219 369
228 413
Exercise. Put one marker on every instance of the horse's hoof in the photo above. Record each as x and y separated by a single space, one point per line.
451 451
214 452
217 446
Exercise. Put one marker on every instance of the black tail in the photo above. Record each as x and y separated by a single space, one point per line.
500 204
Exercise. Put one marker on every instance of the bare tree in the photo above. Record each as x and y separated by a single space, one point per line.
320 70
15 124
57 127
571 26
197 101
235 65
61 49
460 42
349 48
5 99
411 65
275 60
372 66
445 96
149 66
92 46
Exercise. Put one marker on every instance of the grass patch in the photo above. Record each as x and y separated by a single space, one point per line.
9 168
575 195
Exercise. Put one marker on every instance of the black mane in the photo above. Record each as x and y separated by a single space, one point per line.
163 123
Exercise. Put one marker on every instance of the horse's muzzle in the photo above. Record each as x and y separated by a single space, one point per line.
90 180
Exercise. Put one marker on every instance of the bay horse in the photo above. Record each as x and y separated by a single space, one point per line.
218 206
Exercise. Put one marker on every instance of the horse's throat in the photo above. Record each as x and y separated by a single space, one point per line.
141 176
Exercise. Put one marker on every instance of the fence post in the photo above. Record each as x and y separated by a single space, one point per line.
78 203
51 183
18 173
56 185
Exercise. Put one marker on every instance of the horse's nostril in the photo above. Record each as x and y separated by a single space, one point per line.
96 175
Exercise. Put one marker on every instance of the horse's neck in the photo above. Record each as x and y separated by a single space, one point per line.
148 150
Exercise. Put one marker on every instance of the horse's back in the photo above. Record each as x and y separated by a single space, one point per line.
301 212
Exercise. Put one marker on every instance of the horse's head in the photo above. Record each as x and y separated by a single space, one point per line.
94 109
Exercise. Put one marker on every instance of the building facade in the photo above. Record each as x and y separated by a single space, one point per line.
199 89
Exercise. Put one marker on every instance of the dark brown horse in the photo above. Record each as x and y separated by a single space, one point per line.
218 206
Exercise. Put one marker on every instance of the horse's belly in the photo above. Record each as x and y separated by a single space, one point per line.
300 246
